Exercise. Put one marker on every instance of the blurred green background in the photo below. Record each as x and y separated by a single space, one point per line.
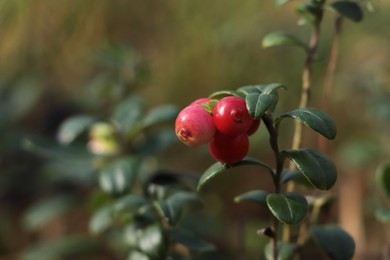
54 63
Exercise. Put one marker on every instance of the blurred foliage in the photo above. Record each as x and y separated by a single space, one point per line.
81 59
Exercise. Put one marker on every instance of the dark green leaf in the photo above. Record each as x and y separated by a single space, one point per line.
246 90
192 242
281 38
337 243
158 142
289 208
317 167
296 176
222 93
258 196
129 203
285 251
44 211
160 114
218 168
270 88
128 113
73 127
314 119
348 9
118 176
383 215
258 104
382 175
62 248
101 220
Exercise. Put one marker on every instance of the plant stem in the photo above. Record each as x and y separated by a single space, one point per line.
329 77
273 134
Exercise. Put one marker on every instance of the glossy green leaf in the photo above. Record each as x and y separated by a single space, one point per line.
257 196
314 119
289 208
383 215
317 167
246 90
118 176
218 168
101 220
151 241
191 241
348 9
160 114
157 142
71 128
337 243
44 211
128 113
382 176
281 38
62 248
258 104
270 88
285 251
222 93
296 176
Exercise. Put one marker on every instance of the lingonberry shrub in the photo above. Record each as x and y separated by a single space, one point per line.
194 125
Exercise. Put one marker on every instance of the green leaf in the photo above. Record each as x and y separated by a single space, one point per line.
270 88
151 241
337 243
296 176
348 9
285 250
314 119
257 196
218 168
160 114
317 167
136 255
258 104
129 203
383 215
281 38
192 242
101 220
246 90
67 247
222 93
171 208
281 2
118 176
289 208
44 211
128 113
382 176
71 128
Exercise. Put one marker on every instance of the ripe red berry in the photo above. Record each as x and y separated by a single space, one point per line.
231 116
194 126
253 128
229 149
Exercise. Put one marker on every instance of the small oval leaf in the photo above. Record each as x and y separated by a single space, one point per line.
257 196
268 89
337 243
246 90
258 104
128 113
281 38
289 208
73 127
314 119
382 175
160 114
317 167
348 9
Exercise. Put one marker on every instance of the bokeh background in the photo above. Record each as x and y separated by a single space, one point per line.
55 58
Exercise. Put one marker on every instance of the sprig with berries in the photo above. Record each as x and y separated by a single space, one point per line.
224 121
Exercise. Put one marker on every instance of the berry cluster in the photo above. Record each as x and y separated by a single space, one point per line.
225 126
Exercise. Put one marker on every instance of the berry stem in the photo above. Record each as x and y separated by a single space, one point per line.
273 137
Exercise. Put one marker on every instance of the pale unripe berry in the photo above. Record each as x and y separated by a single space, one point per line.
194 125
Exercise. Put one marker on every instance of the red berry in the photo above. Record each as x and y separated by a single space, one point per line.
194 126
200 101
229 149
231 116
253 128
